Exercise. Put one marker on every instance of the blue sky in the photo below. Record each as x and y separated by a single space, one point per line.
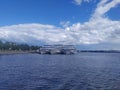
43 11
79 22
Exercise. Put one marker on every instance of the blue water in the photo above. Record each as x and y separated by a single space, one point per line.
85 71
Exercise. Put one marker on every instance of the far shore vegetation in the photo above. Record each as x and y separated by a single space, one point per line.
15 47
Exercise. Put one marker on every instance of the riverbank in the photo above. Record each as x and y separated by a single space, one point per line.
6 52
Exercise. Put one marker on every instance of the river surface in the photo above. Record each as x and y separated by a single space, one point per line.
84 71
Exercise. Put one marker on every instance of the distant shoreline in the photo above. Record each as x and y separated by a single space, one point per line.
101 51
6 52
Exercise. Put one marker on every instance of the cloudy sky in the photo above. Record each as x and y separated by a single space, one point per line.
90 24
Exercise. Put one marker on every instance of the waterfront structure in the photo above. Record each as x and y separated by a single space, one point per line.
57 49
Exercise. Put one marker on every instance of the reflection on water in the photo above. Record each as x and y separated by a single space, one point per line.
86 71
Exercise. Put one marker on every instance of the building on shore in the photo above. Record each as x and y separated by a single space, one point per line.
57 49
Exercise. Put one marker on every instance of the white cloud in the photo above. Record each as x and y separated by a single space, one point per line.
65 23
104 7
98 29
28 33
79 2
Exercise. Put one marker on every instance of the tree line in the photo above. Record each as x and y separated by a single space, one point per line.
15 46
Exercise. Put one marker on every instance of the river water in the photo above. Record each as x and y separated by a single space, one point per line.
84 71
